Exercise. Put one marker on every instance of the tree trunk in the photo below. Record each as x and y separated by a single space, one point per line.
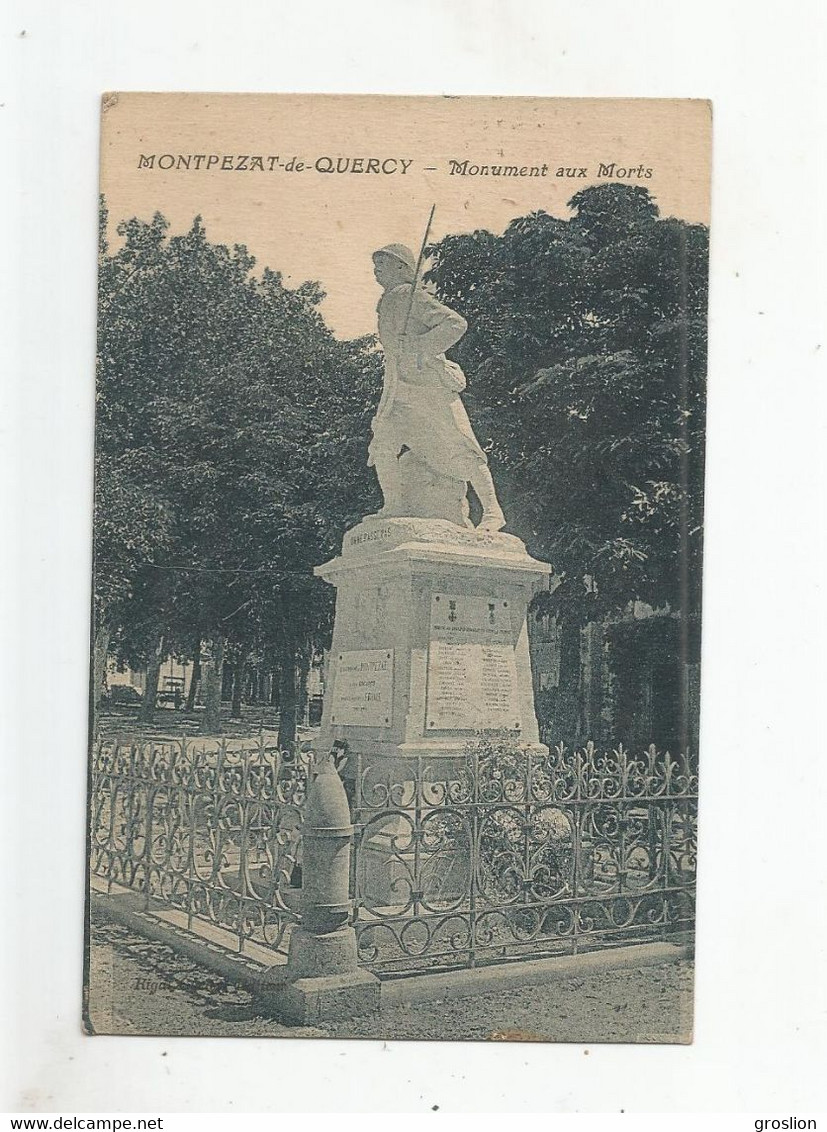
566 711
238 680
238 688
304 670
227 673
100 653
251 683
212 666
153 672
288 701
196 677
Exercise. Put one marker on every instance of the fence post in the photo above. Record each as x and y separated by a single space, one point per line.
322 980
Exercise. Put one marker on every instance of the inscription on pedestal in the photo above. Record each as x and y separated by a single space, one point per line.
363 688
472 672
353 540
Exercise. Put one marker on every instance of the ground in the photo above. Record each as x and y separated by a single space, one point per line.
123 723
141 987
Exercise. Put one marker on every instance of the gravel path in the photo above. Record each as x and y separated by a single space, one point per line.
141 987
138 986
651 1004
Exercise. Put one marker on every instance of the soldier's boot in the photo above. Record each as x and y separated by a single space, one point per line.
492 515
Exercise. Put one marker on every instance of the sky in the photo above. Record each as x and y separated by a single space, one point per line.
261 178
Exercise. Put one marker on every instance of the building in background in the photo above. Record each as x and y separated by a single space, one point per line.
633 679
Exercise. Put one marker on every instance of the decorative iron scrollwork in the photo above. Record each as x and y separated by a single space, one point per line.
211 829
503 853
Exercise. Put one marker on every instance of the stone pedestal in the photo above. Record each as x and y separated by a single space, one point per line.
430 644
322 981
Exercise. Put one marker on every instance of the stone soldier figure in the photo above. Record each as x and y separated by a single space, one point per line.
421 416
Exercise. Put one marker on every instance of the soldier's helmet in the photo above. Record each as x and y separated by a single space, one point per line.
401 253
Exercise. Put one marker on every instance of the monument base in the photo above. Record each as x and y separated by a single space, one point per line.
430 642
322 981
328 998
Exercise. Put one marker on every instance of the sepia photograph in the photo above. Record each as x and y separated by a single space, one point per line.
413 465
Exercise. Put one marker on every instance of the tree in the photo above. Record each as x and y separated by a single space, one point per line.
132 520
235 414
586 355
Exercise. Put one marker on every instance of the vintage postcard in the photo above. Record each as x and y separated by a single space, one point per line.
397 567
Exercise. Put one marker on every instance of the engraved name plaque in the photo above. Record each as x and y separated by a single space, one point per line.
472 673
363 688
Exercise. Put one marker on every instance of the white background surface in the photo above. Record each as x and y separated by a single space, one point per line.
761 1001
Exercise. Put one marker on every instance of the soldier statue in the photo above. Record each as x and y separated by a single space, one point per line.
421 431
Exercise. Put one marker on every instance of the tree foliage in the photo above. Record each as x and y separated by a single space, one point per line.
586 352
228 457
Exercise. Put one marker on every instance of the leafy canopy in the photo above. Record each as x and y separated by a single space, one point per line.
230 450
586 353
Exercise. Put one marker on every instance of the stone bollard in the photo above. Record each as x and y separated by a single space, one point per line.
322 980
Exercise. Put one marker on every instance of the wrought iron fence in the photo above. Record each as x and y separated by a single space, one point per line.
208 828
503 854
